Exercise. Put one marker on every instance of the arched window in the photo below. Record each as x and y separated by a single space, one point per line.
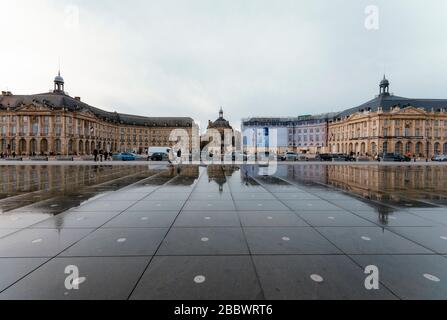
13 145
373 148
70 147
44 146
4 146
408 147
437 148
33 146
419 148
22 146
57 146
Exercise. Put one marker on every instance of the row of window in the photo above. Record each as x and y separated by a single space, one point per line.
305 131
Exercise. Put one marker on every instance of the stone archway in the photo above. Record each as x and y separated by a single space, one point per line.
22 146
409 148
81 147
70 147
374 148
33 146
44 146
437 148
385 147
399 148
419 149
4 147
57 146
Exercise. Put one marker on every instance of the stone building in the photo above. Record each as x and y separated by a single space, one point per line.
388 123
225 130
303 134
55 123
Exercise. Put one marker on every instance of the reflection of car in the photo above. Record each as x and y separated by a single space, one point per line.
289 156
440 158
395 157
158 156
124 157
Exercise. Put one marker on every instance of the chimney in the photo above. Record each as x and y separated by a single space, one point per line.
78 98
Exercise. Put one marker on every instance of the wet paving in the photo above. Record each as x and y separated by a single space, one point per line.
305 231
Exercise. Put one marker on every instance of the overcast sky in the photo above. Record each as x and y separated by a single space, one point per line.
253 57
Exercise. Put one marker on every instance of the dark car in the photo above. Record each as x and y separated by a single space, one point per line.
344 157
395 157
325 157
158 156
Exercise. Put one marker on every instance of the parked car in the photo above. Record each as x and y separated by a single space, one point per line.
440 158
249 156
140 156
396 157
325 157
266 156
153 150
343 157
124 156
159 156
289 156
238 156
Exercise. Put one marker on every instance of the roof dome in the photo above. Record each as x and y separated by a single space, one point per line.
384 82
58 78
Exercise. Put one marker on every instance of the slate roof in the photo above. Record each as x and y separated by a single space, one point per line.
61 100
387 102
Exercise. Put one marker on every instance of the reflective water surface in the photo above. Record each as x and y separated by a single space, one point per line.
307 231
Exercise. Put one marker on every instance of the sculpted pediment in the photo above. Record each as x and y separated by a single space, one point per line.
88 113
33 107
357 116
409 111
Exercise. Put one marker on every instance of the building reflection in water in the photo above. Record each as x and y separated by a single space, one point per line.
219 174
386 189
25 186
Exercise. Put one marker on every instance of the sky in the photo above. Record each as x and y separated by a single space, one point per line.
252 57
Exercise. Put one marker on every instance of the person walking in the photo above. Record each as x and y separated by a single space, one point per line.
95 154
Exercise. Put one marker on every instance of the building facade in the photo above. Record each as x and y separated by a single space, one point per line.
388 123
304 134
385 124
56 124
226 132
